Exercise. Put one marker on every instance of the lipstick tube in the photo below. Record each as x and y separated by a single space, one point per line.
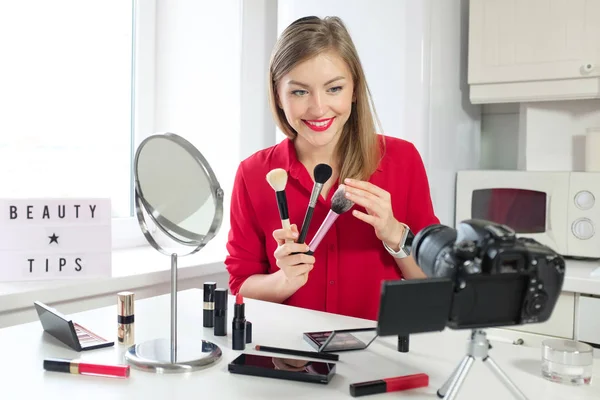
125 318
82 368
238 325
220 328
208 317
388 385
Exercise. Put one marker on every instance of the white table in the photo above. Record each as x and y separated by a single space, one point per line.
23 348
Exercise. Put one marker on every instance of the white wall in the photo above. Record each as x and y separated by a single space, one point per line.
500 136
197 82
259 34
543 136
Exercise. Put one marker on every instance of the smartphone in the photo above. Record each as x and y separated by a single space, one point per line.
283 368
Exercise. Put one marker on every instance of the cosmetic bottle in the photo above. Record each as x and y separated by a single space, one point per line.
220 328
238 325
209 304
403 343
125 318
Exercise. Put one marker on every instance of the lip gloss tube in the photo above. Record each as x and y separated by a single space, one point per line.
220 328
82 368
238 340
209 304
125 318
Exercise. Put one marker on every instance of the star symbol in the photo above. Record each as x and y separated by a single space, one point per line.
53 238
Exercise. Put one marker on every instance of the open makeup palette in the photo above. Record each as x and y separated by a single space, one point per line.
341 340
70 333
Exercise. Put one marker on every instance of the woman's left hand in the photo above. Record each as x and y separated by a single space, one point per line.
378 204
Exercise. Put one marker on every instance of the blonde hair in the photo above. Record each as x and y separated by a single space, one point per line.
357 150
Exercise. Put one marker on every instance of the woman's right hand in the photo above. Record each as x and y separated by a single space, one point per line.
295 266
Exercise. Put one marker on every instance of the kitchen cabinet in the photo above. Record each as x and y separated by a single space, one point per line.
533 50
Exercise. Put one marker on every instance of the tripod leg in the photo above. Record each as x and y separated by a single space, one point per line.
504 378
459 379
444 389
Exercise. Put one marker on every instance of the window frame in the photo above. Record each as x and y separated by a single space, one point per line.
126 232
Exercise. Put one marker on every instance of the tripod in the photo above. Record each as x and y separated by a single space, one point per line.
478 346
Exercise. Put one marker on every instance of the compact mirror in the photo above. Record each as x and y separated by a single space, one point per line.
179 207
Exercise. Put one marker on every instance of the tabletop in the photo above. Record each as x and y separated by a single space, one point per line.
24 347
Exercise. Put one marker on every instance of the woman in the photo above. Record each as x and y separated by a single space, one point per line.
320 100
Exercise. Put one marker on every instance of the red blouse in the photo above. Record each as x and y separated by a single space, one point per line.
350 262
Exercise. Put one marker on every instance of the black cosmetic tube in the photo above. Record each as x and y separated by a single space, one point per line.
403 343
238 341
209 304
221 312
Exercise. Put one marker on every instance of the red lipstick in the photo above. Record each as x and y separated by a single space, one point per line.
389 385
82 368
320 128
239 324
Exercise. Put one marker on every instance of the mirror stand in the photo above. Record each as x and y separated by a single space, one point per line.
163 355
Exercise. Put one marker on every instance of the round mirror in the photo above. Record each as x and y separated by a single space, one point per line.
179 207
176 188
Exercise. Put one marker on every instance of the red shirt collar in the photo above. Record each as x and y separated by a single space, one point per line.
285 157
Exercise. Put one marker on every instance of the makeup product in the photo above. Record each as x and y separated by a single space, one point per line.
208 317
322 173
125 318
339 204
282 368
248 331
84 368
277 178
220 328
567 361
68 332
341 340
300 353
403 342
389 385
238 325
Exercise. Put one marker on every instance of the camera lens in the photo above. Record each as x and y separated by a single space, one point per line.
429 242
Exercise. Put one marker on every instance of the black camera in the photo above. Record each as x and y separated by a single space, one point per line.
479 275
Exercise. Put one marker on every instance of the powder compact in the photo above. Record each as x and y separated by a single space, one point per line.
70 333
341 339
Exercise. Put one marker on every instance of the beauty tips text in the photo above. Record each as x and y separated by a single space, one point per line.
55 239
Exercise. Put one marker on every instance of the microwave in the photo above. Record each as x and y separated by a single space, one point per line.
558 209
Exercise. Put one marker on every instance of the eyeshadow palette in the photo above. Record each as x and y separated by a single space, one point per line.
70 333
341 340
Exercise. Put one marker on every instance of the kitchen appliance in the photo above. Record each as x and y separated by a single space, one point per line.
558 209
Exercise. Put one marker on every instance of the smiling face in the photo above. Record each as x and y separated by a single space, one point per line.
316 97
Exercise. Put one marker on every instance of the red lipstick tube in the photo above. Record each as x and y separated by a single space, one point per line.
82 368
389 385
238 339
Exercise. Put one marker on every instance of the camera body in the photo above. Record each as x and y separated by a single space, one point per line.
498 279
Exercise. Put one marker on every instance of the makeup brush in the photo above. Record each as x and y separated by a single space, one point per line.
277 178
322 173
339 204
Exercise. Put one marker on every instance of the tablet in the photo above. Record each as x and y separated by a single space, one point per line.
292 369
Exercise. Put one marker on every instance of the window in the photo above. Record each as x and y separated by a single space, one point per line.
67 100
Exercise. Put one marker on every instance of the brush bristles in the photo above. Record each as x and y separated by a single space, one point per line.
322 173
339 203
277 178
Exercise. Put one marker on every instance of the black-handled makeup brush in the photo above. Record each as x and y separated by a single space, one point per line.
277 178
322 173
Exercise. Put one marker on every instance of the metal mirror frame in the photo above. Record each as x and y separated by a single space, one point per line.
163 223
145 356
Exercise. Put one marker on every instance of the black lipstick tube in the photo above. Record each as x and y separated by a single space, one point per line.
403 343
220 328
239 327
208 317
